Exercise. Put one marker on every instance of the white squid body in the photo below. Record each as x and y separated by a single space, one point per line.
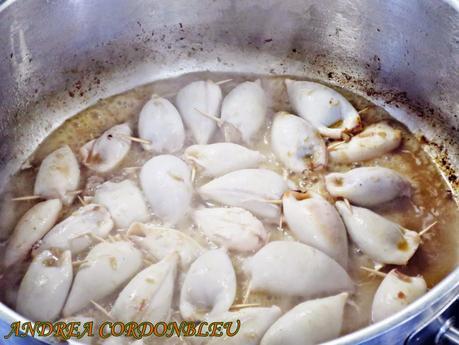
162 242
59 174
323 107
394 293
232 228
45 286
252 189
254 323
106 152
296 143
315 222
244 108
124 201
106 267
161 124
368 186
309 323
209 287
166 182
374 141
288 268
32 226
74 232
221 158
195 100
148 296
382 240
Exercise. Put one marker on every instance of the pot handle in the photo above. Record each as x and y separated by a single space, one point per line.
450 334
441 329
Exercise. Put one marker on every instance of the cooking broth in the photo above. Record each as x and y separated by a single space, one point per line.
431 201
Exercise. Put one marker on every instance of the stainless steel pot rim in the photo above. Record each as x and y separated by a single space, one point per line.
437 297
453 3
450 284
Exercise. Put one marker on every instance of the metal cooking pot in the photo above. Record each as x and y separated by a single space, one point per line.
58 57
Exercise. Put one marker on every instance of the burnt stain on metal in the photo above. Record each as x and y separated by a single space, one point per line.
433 117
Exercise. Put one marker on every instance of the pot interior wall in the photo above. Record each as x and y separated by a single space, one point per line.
59 57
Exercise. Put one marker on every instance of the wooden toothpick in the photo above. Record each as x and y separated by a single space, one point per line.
334 145
27 198
364 110
244 305
135 139
247 293
212 117
427 229
84 203
221 82
348 204
101 309
372 271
